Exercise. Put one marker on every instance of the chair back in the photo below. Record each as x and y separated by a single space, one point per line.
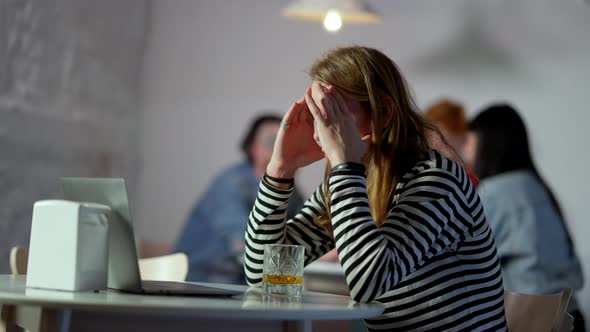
173 267
19 258
564 322
542 313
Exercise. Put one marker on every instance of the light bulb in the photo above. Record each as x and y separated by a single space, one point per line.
332 21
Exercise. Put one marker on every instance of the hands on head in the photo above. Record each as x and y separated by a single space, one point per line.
338 130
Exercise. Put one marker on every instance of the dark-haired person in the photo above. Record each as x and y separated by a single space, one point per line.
536 251
213 236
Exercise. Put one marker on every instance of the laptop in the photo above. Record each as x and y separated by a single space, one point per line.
123 272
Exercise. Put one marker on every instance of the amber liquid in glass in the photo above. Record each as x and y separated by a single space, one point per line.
282 279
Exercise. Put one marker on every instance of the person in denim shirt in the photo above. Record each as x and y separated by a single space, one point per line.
536 252
213 236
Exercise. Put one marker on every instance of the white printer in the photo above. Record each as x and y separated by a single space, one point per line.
68 249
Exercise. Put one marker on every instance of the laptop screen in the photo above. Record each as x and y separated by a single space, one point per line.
123 267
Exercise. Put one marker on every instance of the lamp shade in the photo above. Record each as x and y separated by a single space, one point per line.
351 11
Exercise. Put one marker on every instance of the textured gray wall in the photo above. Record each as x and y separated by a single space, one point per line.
69 92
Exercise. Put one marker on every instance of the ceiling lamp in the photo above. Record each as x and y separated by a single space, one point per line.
333 12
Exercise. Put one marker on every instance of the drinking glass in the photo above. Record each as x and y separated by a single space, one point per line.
282 270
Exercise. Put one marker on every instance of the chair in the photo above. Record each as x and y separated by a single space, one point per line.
19 258
566 322
525 312
151 248
172 267
29 317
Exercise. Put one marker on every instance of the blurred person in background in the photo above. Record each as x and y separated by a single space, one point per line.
449 117
536 250
213 236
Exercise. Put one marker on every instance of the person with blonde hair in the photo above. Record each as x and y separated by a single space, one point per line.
407 223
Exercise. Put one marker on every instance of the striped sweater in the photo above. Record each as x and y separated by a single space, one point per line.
433 262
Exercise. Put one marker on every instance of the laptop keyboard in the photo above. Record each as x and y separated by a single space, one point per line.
154 284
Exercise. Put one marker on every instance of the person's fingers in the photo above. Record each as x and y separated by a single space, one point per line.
298 118
305 112
331 103
345 113
313 108
342 107
304 106
321 99
289 117
294 113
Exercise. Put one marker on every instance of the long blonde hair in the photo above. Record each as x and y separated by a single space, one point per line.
369 76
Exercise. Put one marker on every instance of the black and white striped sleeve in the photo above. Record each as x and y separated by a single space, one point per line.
429 216
267 225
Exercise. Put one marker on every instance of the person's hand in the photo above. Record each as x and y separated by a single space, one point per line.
338 133
294 147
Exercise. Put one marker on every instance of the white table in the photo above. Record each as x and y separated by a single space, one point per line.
111 310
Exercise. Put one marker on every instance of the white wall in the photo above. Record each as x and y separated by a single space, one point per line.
211 65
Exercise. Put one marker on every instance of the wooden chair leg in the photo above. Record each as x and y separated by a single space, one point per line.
31 318
6 313
7 321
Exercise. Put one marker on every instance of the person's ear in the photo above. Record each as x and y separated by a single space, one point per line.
387 103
